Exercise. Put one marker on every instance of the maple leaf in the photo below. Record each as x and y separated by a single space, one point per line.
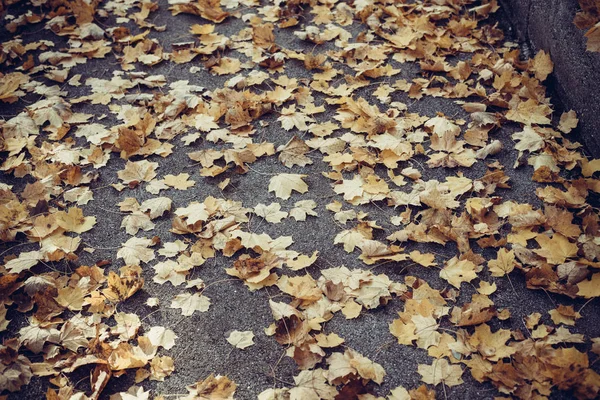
80 195
271 213
170 271
9 92
589 288
138 171
457 271
189 303
487 288
282 310
352 309
258 242
503 264
227 66
556 249
205 123
194 212
492 346
35 336
303 208
290 118
588 168
424 259
71 298
311 385
342 366
171 249
72 337
3 321
301 287
206 157
156 206
209 9
161 336
136 221
568 121
212 388
593 38
157 113
24 261
294 153
283 184
127 325
528 140
403 331
133 393
441 371
530 112
152 302
241 340
561 221
74 221
161 367
440 125
426 331
136 250
542 65
302 261
399 393
329 341
564 315
125 285
15 373
179 182
351 189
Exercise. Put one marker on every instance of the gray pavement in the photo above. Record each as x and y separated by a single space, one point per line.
201 348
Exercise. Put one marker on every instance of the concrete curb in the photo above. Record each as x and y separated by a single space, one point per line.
548 25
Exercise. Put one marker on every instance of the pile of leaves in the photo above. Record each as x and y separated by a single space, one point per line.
350 115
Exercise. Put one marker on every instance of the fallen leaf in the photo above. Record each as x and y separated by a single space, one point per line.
441 371
458 271
241 340
189 303
504 263
284 184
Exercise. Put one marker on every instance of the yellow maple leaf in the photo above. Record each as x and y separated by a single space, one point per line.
542 65
271 213
589 288
403 331
530 112
213 387
503 264
441 371
138 171
179 182
457 271
424 259
294 153
284 184
568 121
328 341
556 249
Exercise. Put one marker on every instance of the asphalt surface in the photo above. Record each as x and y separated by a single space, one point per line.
201 347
